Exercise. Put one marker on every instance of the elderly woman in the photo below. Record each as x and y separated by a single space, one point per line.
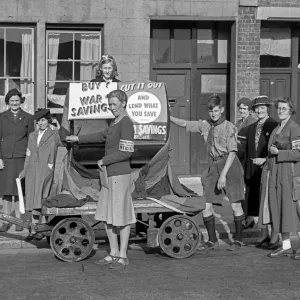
107 71
15 127
257 136
115 207
281 179
39 165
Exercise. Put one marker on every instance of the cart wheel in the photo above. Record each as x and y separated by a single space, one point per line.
179 236
72 239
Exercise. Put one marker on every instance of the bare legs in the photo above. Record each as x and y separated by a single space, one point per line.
112 233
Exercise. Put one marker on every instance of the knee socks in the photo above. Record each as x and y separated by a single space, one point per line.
209 223
239 227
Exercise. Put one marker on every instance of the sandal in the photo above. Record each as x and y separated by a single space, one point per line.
120 263
104 261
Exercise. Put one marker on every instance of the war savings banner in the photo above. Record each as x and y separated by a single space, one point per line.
146 106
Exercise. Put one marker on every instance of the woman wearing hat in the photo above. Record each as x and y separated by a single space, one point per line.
15 127
257 136
280 193
39 164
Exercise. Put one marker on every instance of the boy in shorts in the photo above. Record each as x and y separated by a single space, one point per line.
224 176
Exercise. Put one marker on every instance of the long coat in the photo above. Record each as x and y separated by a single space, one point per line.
38 175
278 205
14 135
252 171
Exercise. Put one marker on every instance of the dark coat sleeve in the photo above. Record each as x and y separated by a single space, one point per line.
127 133
97 137
1 136
292 155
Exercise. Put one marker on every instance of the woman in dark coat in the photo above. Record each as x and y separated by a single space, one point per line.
15 127
257 136
280 192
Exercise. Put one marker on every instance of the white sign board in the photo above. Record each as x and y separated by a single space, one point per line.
87 100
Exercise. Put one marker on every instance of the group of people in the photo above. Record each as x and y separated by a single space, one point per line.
255 164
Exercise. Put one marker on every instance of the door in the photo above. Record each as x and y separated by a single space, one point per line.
209 82
274 86
178 89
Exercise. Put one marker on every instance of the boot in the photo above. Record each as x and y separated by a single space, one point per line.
238 242
212 243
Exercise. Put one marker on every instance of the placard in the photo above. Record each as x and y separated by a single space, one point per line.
147 107
87 100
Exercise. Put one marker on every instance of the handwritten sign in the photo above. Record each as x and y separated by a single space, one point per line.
88 100
147 108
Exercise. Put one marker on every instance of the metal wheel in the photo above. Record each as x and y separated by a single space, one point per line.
179 236
72 239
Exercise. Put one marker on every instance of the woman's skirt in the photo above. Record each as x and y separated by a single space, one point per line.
115 205
12 169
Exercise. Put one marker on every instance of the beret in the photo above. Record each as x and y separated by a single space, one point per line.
246 101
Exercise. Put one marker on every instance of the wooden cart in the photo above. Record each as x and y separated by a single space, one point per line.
72 238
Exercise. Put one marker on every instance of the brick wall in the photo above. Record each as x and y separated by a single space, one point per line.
280 3
248 52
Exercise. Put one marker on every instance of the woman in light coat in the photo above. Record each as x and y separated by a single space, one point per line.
280 191
39 165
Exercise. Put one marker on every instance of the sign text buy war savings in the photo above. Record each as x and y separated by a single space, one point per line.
147 108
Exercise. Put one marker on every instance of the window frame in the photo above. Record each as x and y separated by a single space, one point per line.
6 77
73 31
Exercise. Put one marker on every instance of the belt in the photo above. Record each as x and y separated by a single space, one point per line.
219 157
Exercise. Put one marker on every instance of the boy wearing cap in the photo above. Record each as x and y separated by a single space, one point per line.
225 174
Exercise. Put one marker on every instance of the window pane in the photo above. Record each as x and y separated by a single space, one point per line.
3 106
18 52
223 43
60 70
56 93
213 83
175 84
275 47
85 71
206 46
182 45
87 46
1 52
65 49
161 45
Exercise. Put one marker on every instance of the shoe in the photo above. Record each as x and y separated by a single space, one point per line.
103 261
4 227
19 228
235 246
296 255
247 224
276 245
119 263
266 240
281 252
209 246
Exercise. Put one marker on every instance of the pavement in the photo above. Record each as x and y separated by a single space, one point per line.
224 225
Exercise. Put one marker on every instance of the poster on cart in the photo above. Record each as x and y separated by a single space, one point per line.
88 101
147 107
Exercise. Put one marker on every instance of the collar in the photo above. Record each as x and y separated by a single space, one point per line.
263 120
214 124
282 124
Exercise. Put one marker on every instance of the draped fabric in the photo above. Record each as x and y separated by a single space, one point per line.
90 45
53 45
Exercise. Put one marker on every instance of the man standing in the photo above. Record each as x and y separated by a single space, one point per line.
225 174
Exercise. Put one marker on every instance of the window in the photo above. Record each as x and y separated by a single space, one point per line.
275 46
172 42
72 56
16 64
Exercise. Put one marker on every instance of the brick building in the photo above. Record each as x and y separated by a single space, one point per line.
231 47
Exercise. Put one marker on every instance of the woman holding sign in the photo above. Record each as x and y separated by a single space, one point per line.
107 71
115 206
